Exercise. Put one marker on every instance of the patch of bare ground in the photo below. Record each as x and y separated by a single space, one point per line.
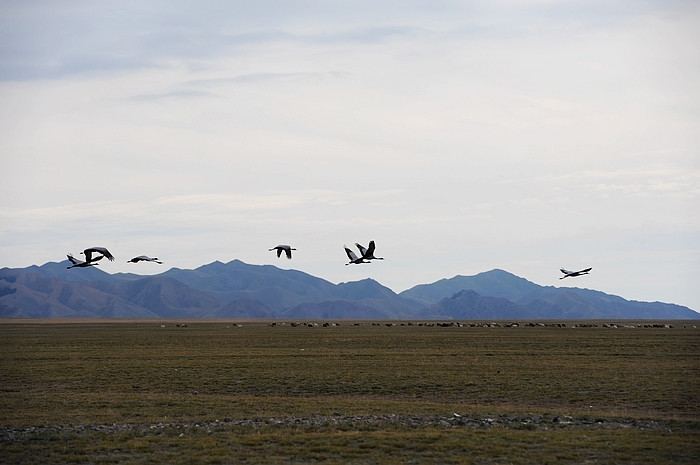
529 422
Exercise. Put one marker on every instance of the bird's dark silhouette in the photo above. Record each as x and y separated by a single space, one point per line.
368 253
283 248
143 258
101 250
571 274
76 263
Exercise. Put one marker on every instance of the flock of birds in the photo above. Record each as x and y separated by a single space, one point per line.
366 253
91 259
95 254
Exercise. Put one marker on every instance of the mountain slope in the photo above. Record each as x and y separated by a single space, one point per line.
494 283
276 288
242 308
467 304
370 293
337 309
162 296
35 295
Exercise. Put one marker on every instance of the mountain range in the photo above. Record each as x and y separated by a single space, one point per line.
241 290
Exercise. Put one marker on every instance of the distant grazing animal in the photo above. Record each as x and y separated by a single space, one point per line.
353 258
143 258
368 253
81 264
287 250
571 274
88 253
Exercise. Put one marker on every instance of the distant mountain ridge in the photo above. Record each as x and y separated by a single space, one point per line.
240 290
533 300
495 283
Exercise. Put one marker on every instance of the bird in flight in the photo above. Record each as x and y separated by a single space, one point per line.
571 274
143 258
354 258
283 248
368 253
76 263
88 253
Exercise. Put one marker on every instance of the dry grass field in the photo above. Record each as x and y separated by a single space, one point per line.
215 392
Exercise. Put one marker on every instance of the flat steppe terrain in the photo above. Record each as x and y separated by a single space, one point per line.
117 391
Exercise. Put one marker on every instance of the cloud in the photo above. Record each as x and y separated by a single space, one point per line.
252 78
663 180
184 93
81 38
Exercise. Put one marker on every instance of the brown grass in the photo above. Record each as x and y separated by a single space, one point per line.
213 392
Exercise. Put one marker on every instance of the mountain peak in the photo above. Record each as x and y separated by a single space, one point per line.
493 283
213 267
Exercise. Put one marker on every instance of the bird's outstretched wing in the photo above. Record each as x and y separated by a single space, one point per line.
362 248
572 274
102 250
354 258
351 254
72 259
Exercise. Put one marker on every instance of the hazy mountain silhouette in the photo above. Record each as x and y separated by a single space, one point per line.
529 300
370 293
276 288
494 283
243 308
240 290
40 296
337 309
467 304
163 296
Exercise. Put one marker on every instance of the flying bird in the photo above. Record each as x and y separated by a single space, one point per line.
571 274
143 258
287 250
76 263
368 253
88 253
353 258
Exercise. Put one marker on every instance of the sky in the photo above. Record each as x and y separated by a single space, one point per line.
461 136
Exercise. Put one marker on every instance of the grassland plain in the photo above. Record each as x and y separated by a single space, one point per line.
246 392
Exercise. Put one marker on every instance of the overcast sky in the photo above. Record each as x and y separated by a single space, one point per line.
461 136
